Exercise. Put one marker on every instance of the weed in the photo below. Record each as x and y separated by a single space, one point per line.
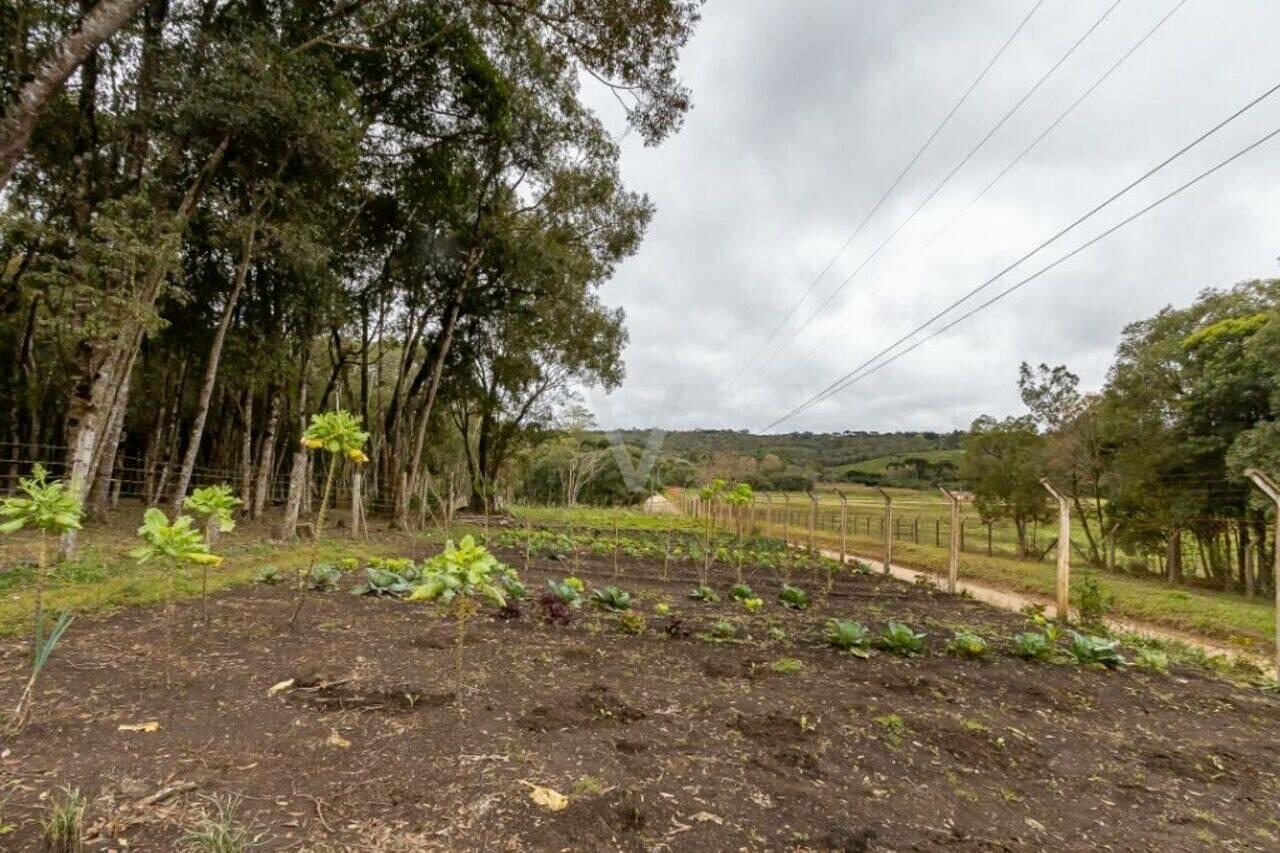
221 832
777 633
894 728
1152 659
1092 602
967 644
63 828
901 639
848 636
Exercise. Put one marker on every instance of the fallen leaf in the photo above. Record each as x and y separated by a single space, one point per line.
707 817
547 798
338 740
280 687
148 727
1035 824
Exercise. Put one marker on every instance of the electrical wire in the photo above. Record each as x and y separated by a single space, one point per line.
853 376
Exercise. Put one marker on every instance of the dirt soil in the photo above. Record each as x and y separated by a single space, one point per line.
663 741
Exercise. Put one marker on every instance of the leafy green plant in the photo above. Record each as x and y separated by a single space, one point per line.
1092 602
52 509
466 569
1088 650
323 578
901 639
222 831
175 544
216 505
63 826
389 580
348 564
894 728
752 605
1152 659
268 576
568 594
787 666
723 629
661 609
849 636
340 434
704 593
740 592
632 621
611 598
1032 645
967 644
793 597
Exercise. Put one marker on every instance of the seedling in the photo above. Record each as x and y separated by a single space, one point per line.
704 593
967 644
175 544
901 639
50 508
752 605
848 636
793 597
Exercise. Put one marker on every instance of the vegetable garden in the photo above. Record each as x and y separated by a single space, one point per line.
606 680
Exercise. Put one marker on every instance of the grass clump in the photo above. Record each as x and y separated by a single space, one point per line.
63 827
221 831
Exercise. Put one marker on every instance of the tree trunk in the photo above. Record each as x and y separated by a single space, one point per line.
1173 557
246 450
211 373
266 455
297 482
20 118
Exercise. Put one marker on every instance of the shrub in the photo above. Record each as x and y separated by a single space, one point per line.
967 644
848 636
1093 602
611 598
901 639
1088 650
1032 645
793 597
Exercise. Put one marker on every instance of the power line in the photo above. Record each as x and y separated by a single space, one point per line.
852 376
1012 164
946 180
893 186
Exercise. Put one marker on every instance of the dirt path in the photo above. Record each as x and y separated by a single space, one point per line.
1017 601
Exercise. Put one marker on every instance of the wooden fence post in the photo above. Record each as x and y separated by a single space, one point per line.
1064 552
1268 486
813 521
953 563
844 527
888 530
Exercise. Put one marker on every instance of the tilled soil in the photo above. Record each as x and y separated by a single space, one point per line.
661 741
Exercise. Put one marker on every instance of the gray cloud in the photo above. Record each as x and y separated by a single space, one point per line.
803 114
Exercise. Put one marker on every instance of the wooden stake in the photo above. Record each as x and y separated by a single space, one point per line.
1064 552
1268 486
888 530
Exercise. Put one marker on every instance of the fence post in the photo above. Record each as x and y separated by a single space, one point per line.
1064 551
786 519
1268 486
888 530
813 521
953 563
844 526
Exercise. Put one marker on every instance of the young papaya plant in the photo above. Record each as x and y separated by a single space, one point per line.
176 544
217 506
339 434
51 508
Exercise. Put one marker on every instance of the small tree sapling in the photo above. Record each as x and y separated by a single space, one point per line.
217 506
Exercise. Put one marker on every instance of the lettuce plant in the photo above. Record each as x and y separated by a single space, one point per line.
848 635
901 639
1032 645
967 644
611 598
704 593
793 597
1088 650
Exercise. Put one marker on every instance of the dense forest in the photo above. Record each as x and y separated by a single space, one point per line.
218 217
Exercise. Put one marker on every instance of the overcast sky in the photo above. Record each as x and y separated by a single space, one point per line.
805 111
